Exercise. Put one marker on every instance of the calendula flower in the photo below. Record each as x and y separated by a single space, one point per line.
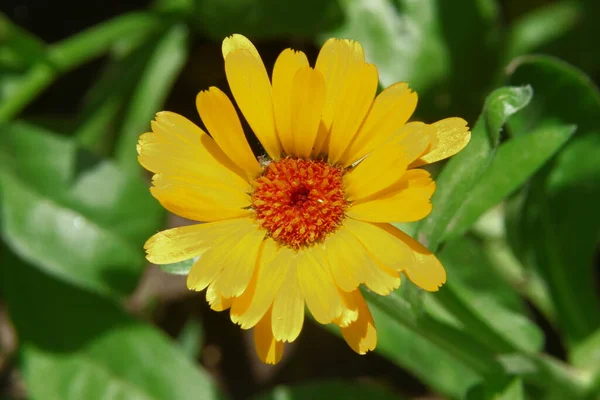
310 222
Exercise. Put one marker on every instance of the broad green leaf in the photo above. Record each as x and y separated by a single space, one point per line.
511 390
73 215
453 339
151 92
431 364
483 302
523 280
77 345
516 160
444 50
264 18
326 390
466 263
465 169
587 354
557 225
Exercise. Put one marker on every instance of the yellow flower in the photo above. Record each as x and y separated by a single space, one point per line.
311 223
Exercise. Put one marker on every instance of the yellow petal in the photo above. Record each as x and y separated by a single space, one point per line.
407 200
179 244
414 138
318 288
207 268
286 66
427 272
351 107
178 146
267 348
249 308
239 265
200 200
345 261
351 265
221 120
216 301
349 309
453 135
251 89
382 245
379 278
379 170
361 335
335 59
236 42
390 110
308 99
288 307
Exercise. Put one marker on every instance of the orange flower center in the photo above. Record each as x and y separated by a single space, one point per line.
299 202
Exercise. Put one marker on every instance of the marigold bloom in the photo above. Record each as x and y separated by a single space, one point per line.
311 224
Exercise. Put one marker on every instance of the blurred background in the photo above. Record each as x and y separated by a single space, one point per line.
82 314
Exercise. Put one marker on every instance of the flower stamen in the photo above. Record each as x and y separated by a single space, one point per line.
299 202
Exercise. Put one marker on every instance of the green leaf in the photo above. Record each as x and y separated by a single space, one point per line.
179 268
523 280
556 227
154 85
516 160
465 169
440 48
26 47
191 338
563 29
511 390
452 339
101 114
413 352
72 52
77 345
483 302
75 216
541 27
264 18
329 390
587 353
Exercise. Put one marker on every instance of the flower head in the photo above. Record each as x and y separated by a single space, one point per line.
310 224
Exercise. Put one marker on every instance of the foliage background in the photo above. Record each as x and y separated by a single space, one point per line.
515 220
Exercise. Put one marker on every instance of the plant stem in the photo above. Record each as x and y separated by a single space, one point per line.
72 52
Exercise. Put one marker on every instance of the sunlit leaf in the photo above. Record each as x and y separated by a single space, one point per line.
75 216
77 345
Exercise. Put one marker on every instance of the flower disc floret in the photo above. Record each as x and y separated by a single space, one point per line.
299 202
